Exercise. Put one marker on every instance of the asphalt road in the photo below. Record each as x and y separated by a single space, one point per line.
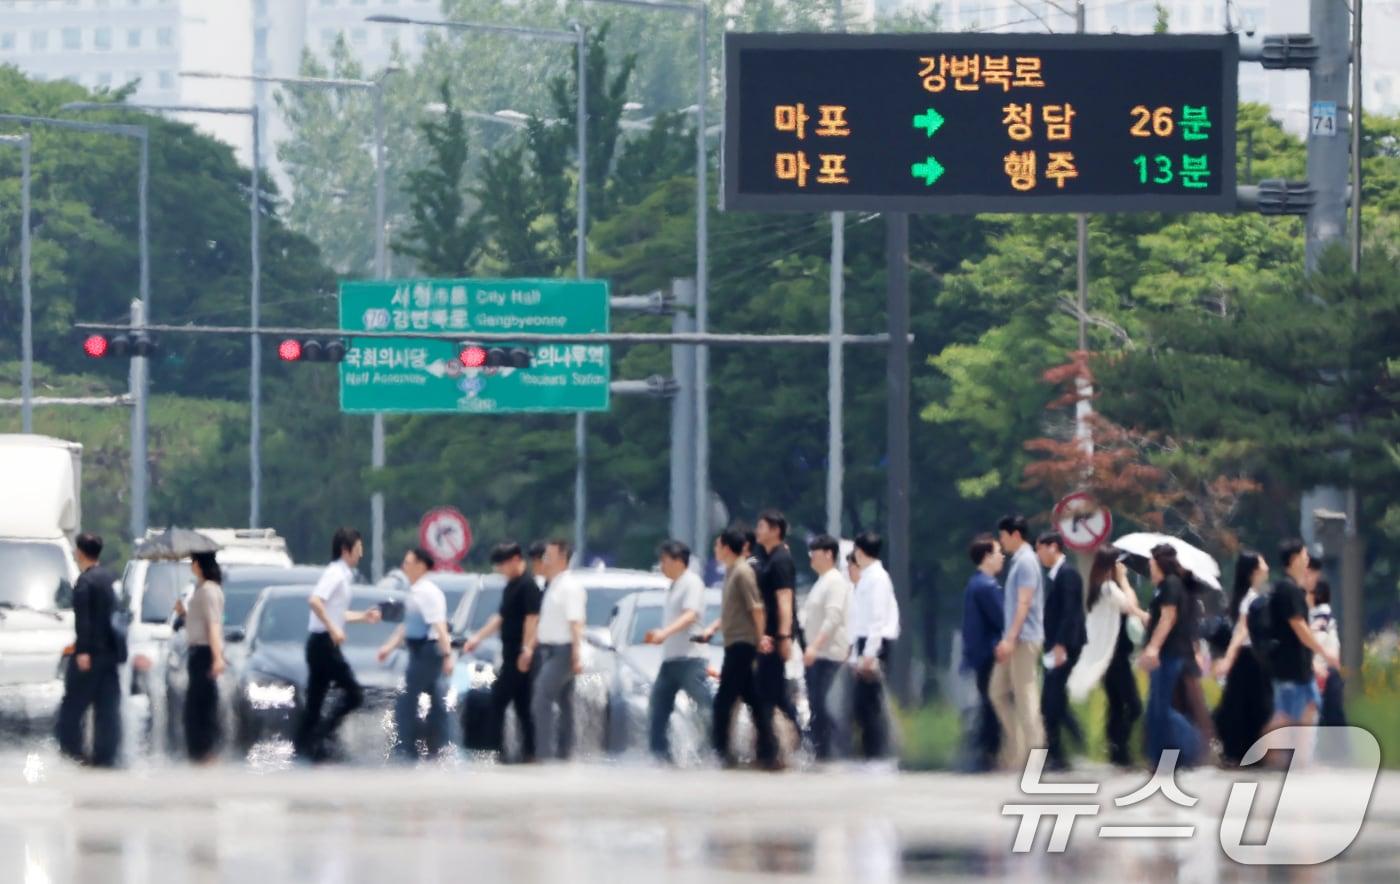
458 821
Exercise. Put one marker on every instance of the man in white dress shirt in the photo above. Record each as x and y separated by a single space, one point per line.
326 665
824 621
558 654
875 624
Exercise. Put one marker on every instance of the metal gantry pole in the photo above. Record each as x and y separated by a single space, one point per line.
702 285
897 435
255 341
581 419
381 271
140 376
835 386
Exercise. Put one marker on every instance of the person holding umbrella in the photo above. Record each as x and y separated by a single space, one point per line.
204 629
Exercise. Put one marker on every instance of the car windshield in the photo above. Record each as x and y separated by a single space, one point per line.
644 619
602 600
284 618
648 617
486 603
165 582
453 594
241 590
31 575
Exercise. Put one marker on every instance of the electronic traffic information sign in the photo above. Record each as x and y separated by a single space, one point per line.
980 122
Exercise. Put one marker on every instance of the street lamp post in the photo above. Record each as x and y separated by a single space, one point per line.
702 247
139 379
578 34
255 297
381 265
26 369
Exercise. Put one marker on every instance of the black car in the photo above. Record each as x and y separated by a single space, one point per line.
270 677
242 585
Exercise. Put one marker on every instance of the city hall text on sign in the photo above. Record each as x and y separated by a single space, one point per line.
980 122
426 375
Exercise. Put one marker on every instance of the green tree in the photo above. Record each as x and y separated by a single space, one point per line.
444 238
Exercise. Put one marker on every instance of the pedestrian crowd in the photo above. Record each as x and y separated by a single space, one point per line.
844 635
1042 637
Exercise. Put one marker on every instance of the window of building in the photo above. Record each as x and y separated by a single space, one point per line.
167 80
7 40
104 78
39 40
72 38
327 2
102 38
359 37
357 2
260 43
133 38
165 37
102 4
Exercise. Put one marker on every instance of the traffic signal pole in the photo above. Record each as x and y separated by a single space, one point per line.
1326 225
898 476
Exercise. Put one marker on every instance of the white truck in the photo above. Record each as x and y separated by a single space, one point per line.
40 515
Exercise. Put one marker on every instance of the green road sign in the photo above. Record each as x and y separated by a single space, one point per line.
425 375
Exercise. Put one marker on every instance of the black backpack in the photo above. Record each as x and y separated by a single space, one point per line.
1259 621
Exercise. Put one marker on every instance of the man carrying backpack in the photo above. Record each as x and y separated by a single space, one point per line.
1290 653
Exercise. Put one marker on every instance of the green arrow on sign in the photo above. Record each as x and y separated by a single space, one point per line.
930 170
930 121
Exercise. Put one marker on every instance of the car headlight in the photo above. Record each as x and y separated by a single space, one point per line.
270 693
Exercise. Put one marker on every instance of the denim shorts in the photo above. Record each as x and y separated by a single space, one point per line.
1291 698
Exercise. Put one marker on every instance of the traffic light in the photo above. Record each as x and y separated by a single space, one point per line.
101 346
311 350
476 356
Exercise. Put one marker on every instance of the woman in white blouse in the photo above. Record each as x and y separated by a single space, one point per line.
1109 601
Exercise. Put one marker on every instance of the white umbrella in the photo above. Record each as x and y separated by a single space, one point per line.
1192 558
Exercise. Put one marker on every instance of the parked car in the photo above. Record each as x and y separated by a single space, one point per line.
242 586
455 586
471 683
269 679
629 694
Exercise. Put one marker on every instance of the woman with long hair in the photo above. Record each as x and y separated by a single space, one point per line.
204 628
1248 701
1170 650
1109 601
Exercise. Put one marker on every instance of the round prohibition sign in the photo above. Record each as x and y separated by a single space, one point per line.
1082 523
445 533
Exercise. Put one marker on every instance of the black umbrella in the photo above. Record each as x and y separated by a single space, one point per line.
174 544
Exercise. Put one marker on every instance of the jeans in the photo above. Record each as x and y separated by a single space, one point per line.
736 682
99 687
819 678
325 666
683 674
1165 727
201 704
424 676
1056 709
554 684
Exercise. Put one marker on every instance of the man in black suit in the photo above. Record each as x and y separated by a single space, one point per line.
91 678
1064 639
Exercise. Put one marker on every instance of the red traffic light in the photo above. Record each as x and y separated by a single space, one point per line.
472 356
95 346
289 350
